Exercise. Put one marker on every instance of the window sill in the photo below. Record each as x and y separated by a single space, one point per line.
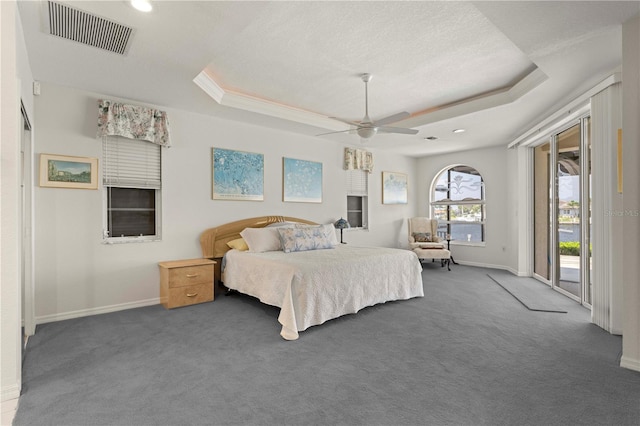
131 240
468 244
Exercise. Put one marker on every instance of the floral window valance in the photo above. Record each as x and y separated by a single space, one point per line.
133 122
358 159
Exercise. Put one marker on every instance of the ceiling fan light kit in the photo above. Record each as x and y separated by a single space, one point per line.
367 128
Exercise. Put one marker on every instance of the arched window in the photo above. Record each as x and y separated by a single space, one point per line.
457 201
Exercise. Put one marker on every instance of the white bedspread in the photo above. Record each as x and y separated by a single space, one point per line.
312 287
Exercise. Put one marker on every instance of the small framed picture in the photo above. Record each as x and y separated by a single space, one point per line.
394 188
63 171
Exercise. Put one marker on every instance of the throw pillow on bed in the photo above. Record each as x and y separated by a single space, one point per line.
281 224
329 230
262 239
238 244
303 239
422 237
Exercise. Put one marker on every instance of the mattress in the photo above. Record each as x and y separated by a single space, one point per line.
312 287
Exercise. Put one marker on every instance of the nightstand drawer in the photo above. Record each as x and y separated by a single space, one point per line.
190 295
186 282
190 275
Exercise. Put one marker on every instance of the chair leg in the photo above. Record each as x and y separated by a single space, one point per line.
446 262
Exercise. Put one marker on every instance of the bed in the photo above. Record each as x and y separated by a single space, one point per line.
310 284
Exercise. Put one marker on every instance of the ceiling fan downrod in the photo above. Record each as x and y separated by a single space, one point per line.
366 78
367 131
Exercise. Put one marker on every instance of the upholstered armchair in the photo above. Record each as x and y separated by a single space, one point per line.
423 233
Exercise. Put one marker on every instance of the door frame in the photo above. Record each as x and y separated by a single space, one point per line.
581 120
27 171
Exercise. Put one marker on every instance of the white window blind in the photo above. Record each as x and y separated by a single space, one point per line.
131 164
357 182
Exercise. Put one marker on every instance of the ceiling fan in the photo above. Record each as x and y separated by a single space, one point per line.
367 128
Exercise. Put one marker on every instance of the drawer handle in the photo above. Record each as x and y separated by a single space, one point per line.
192 294
192 275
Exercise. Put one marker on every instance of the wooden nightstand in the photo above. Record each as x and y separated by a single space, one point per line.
186 282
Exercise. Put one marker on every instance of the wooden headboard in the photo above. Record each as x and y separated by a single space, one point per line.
214 241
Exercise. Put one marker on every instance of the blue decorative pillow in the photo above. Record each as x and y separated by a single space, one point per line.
303 239
329 230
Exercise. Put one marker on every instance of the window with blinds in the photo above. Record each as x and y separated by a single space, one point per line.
357 198
132 183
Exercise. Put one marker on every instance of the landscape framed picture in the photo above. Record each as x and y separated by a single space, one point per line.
63 171
394 188
301 181
237 175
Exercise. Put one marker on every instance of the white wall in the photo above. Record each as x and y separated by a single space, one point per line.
631 192
16 78
76 274
492 165
9 214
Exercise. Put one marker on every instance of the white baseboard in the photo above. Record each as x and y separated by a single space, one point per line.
8 411
491 266
483 265
9 392
631 364
96 311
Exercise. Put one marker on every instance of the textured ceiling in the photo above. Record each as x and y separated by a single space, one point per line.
308 63
490 67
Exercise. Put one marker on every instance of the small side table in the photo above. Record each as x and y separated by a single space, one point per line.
449 248
186 282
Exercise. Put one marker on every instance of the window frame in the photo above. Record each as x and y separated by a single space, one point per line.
131 239
358 187
157 188
448 203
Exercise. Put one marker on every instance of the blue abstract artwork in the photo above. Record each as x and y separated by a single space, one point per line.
394 188
237 175
301 181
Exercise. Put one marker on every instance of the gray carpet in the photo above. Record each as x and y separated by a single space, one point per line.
533 294
467 353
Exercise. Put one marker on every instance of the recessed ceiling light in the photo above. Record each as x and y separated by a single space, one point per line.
142 5
459 131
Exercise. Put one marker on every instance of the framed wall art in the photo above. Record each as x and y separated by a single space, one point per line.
64 171
237 175
301 181
394 188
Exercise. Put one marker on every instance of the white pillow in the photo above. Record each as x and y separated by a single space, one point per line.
280 224
329 230
262 239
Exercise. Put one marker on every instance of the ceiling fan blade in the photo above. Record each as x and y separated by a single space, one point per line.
392 118
339 131
387 129
352 123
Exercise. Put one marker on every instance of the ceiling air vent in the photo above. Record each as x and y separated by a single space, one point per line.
77 25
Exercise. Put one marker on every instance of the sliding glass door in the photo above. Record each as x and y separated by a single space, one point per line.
562 211
568 217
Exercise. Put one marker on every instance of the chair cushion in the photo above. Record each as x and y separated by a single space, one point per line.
432 253
432 244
